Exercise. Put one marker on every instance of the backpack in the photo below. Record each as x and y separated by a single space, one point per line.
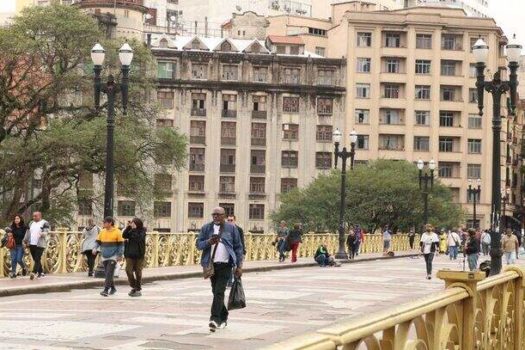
486 239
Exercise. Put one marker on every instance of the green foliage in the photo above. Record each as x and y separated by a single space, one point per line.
381 193
49 129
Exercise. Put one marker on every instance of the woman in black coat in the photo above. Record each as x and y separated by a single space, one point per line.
134 251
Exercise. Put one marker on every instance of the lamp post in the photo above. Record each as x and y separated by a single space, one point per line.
344 155
110 89
426 183
474 194
497 88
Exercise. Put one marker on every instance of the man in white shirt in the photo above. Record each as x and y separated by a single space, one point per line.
36 238
429 244
453 242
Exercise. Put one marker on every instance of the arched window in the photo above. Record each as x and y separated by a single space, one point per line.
226 47
163 43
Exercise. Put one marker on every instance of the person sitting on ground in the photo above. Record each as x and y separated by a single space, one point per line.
322 256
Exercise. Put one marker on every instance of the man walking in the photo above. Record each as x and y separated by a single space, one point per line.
222 248
485 242
282 233
510 246
472 250
453 242
111 246
387 238
36 238
232 219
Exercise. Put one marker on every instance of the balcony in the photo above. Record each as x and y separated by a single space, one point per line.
258 142
196 167
258 169
201 140
227 168
228 141
198 112
259 114
229 113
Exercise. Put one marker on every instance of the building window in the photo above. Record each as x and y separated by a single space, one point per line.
126 208
198 104
316 31
228 133
423 66
289 159
195 210
259 103
364 39
421 143
448 68
474 171
391 91
390 117
258 134
326 77
229 208
227 160
362 90
256 212
199 71
446 119
448 93
257 185
230 72
196 183
362 116
324 133
164 123
474 146
451 42
290 132
392 65
197 159
472 95
198 132
162 209
323 160
363 65
227 184
325 106
446 144
320 51
165 70
292 76
288 184
473 72
85 207
392 39
422 92
391 142
423 41
229 102
290 104
362 142
162 183
165 99
260 74
474 121
422 117
258 161
446 170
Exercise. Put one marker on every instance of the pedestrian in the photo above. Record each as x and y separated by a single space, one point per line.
387 238
411 237
17 230
221 247
36 238
90 234
111 245
443 242
510 245
322 257
453 242
472 249
282 233
134 251
293 239
518 236
358 234
485 242
429 244
351 243
361 240
232 219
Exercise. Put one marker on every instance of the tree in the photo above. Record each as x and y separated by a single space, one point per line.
49 129
384 192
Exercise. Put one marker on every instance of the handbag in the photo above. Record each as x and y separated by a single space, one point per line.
209 271
10 244
236 300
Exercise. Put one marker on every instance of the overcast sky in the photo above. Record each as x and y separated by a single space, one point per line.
7 5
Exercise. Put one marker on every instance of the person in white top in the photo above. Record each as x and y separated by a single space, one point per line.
36 238
429 244
453 242
485 242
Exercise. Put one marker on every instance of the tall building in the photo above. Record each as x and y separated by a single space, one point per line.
473 8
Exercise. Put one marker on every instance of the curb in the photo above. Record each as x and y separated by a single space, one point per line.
67 286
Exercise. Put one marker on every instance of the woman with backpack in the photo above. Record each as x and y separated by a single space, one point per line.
134 251
15 244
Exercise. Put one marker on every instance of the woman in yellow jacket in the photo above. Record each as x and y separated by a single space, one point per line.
443 242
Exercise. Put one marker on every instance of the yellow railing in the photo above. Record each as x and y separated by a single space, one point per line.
63 253
468 314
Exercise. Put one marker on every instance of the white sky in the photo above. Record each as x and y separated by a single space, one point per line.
7 5
509 15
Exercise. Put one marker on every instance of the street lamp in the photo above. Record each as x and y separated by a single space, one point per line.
497 88
110 89
344 155
474 194
426 183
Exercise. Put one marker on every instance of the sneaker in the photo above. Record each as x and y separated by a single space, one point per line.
132 292
104 293
138 293
223 324
429 277
90 274
213 326
112 291
32 276
24 272
41 275
12 275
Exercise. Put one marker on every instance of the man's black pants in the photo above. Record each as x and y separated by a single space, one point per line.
219 312
36 254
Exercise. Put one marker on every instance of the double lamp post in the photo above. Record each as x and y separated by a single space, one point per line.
111 88
426 183
474 193
344 154
497 88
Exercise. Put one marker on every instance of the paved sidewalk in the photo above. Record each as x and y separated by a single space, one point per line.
80 280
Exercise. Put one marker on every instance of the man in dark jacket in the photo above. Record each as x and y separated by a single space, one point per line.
134 251
472 250
232 220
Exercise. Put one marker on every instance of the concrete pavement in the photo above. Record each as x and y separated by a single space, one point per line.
174 314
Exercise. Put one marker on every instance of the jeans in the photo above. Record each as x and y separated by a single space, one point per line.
472 261
486 248
428 262
109 269
281 247
134 265
386 245
411 241
510 258
219 312
36 254
295 247
322 260
453 252
17 257
90 260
